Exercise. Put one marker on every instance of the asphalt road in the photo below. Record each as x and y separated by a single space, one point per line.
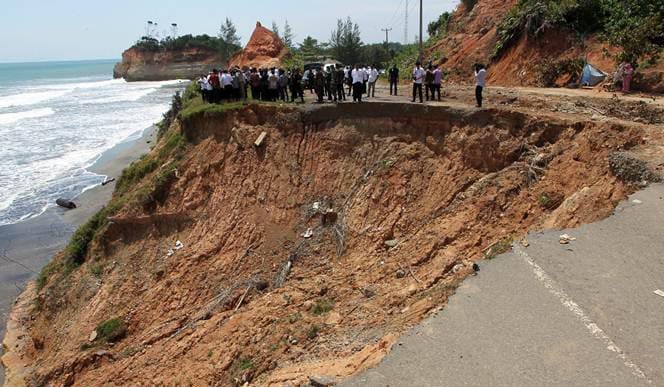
583 314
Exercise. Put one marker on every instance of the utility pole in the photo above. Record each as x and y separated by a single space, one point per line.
387 35
421 31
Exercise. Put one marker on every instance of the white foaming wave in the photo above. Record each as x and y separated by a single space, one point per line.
86 85
24 99
128 96
4 204
10 118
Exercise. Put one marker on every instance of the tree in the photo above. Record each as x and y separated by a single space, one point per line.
275 29
636 26
439 27
288 35
230 41
346 42
376 54
228 33
310 49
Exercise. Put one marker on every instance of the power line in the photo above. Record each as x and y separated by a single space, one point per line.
397 14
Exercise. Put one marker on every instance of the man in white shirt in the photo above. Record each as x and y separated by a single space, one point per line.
418 79
358 83
480 83
204 85
373 78
226 85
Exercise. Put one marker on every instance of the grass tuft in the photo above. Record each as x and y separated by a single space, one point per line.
322 306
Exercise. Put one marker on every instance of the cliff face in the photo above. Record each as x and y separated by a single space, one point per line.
225 263
264 50
139 65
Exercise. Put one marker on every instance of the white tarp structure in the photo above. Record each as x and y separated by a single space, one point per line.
592 76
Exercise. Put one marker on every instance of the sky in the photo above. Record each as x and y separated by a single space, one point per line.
41 30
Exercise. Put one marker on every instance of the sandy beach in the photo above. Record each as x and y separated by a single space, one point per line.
27 246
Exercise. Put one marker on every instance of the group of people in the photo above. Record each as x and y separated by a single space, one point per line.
430 80
335 82
332 82
265 85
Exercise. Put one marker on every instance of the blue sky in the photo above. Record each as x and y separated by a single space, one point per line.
91 29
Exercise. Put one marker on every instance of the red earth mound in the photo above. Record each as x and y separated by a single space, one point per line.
264 50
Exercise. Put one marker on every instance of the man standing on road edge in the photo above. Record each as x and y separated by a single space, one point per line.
373 78
394 79
480 83
358 83
418 78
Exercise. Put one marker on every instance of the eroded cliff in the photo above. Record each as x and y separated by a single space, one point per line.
222 262
189 63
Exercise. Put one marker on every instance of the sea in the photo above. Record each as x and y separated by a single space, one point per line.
57 119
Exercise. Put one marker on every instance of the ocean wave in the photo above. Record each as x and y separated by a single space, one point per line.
127 96
25 99
10 118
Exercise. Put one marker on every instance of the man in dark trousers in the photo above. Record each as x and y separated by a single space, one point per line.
296 86
341 93
394 79
358 82
480 82
418 80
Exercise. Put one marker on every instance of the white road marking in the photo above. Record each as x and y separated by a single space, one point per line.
597 332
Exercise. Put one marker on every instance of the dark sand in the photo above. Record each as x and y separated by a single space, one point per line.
27 246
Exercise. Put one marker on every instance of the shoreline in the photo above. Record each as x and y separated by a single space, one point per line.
27 246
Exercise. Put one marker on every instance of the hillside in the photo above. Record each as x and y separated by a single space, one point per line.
537 49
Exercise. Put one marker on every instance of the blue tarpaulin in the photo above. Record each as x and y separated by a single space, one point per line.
592 76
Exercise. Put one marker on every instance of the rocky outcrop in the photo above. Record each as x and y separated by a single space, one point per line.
142 65
264 50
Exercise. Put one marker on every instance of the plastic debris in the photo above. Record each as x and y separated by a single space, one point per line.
178 245
566 239
637 201
308 234
659 292
170 253
316 206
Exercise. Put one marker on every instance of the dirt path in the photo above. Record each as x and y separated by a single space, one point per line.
583 314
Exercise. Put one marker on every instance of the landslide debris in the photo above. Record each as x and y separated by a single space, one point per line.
304 258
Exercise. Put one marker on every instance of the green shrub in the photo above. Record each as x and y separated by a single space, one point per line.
111 331
245 364
313 331
135 172
322 306
636 26
77 248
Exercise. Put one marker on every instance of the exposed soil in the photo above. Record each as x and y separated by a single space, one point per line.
309 254
472 36
264 50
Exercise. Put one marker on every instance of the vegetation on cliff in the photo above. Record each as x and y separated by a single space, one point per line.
635 26
149 44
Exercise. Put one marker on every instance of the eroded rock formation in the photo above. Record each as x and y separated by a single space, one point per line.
141 65
265 49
